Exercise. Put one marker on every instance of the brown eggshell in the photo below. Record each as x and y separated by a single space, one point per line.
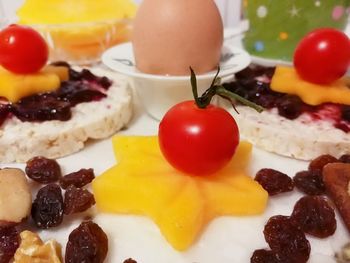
170 36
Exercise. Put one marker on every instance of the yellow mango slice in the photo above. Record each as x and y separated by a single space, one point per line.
287 80
16 86
143 183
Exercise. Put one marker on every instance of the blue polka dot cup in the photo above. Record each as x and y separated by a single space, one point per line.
276 26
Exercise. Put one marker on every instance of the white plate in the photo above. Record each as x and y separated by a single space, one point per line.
159 93
267 62
224 240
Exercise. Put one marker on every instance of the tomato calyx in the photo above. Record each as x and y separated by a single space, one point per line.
217 89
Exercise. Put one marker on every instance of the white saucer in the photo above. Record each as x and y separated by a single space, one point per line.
268 62
157 92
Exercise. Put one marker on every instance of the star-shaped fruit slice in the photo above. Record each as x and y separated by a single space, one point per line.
143 183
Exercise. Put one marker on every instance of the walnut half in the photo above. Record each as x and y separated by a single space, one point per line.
33 249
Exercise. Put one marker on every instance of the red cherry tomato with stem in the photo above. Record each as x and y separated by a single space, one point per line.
22 49
198 141
199 138
323 56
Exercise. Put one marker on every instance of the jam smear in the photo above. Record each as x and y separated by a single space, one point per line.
82 86
253 83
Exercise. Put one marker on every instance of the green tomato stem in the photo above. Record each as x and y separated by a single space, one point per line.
217 89
221 91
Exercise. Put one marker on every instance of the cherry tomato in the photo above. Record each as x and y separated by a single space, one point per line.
198 141
323 56
22 49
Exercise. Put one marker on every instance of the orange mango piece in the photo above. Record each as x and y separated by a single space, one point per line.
287 80
16 86
143 183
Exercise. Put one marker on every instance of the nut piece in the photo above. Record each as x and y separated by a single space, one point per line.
32 249
15 195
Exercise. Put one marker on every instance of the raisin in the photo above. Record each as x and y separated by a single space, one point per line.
290 107
318 163
264 256
345 158
77 200
309 182
87 243
314 216
43 170
9 242
78 179
47 208
286 240
274 182
130 260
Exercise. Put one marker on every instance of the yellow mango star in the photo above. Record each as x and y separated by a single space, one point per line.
143 183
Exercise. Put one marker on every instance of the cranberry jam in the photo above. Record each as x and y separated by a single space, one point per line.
253 83
81 87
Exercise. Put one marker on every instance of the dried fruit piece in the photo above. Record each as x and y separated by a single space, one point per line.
273 181
345 158
43 170
263 256
9 242
336 177
47 209
130 260
314 216
318 163
309 182
87 243
32 249
15 195
77 200
78 179
286 240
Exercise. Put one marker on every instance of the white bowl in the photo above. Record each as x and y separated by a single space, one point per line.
159 93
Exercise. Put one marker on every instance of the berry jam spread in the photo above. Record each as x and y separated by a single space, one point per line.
81 87
253 83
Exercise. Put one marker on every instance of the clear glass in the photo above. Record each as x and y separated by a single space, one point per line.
84 43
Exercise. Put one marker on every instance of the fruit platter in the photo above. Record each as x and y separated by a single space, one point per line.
251 164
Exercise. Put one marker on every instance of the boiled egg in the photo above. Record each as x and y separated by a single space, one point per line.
170 36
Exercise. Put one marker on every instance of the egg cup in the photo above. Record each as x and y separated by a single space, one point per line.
158 93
